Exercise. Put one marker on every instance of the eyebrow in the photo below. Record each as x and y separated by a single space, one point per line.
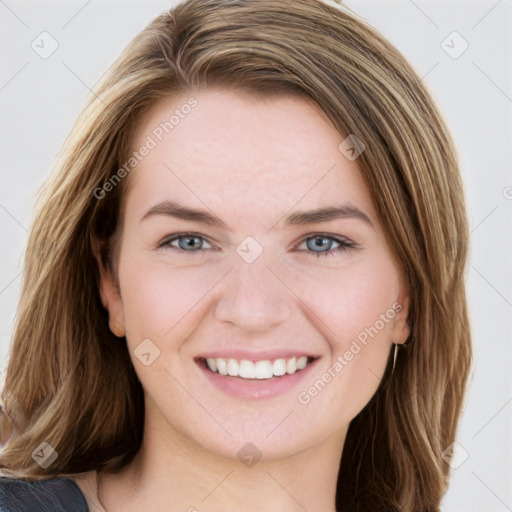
316 216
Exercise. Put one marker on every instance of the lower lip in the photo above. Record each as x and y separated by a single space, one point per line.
255 388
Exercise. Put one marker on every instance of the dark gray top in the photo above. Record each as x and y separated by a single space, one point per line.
55 495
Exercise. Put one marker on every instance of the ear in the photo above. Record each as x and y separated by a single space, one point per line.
110 297
401 329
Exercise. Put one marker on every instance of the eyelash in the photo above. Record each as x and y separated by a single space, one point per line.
345 245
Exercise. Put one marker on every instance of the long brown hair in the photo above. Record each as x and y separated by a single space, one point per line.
71 383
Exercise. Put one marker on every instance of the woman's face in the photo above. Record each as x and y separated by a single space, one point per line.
256 277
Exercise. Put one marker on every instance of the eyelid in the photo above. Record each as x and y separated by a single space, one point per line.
331 236
345 244
166 241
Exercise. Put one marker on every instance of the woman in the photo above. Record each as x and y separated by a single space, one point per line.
244 284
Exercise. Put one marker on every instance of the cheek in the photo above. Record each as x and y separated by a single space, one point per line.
156 297
354 311
349 302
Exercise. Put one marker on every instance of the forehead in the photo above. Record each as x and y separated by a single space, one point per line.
242 154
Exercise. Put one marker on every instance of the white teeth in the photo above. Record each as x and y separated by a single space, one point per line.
291 365
302 361
233 367
221 366
279 367
247 369
264 369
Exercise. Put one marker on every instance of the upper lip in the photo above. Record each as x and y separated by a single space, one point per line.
256 355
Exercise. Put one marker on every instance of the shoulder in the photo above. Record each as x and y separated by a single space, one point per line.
55 495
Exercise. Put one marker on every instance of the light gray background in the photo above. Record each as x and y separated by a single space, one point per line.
40 99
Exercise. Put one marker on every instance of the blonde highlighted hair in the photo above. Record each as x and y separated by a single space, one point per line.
71 383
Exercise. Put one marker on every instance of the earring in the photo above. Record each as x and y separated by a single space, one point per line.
394 356
395 353
116 328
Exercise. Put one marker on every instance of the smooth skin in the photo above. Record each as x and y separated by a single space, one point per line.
250 162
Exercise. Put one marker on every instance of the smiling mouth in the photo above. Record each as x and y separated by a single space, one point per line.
257 370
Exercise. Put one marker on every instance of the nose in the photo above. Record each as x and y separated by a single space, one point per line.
253 298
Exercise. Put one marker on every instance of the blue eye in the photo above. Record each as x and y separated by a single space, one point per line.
325 242
193 243
187 242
